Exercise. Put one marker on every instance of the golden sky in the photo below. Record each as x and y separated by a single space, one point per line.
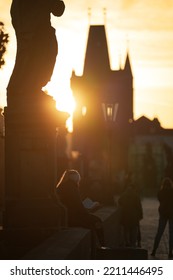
144 27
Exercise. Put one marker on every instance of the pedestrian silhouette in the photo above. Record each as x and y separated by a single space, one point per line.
130 215
67 190
165 197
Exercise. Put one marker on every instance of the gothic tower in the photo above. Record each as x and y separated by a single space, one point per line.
100 84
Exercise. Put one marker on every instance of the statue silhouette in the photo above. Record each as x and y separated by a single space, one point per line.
37 47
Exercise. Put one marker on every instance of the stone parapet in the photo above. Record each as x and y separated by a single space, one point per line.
77 243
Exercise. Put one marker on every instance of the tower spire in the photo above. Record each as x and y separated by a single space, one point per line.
104 15
97 56
127 42
89 16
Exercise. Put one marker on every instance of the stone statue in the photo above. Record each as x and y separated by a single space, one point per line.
37 47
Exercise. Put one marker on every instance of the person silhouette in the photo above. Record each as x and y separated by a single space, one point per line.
37 46
131 213
67 191
165 197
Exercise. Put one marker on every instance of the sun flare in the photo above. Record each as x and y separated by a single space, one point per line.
65 101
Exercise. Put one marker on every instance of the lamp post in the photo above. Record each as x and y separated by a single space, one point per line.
110 113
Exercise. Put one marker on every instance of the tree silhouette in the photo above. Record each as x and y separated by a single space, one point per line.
3 42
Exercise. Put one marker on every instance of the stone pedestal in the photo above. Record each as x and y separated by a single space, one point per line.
30 165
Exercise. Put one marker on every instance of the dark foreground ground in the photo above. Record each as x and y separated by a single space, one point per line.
148 229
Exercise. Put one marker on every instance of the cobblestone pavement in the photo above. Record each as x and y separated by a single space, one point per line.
149 228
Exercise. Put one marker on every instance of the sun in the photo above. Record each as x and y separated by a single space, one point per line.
64 98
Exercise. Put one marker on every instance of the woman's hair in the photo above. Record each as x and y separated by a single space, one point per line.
167 183
69 175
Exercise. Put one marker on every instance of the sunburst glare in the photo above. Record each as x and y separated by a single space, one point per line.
64 101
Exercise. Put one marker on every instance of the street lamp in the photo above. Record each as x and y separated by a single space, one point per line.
110 113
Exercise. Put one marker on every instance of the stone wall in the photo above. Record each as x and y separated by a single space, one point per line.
75 243
1 161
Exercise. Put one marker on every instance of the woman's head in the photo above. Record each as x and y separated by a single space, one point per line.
72 175
167 183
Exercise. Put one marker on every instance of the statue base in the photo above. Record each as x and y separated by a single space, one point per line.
30 165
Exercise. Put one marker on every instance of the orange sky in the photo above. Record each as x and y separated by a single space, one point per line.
144 27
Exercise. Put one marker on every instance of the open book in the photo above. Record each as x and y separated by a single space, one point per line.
89 204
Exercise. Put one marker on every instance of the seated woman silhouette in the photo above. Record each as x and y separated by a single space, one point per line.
36 46
78 216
